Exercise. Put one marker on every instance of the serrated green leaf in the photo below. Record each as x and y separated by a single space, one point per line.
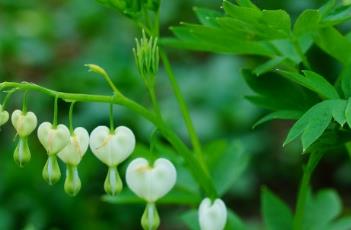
341 224
247 14
226 162
321 210
327 7
277 21
307 22
276 214
207 16
338 16
313 82
348 112
281 114
345 81
334 43
338 111
312 124
268 66
246 3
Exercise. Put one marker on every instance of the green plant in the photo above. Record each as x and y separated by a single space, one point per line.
284 82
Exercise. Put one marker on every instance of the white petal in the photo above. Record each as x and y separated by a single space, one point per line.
75 150
151 183
24 123
212 216
53 140
113 148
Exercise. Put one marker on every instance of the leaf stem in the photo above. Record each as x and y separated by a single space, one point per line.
304 189
300 52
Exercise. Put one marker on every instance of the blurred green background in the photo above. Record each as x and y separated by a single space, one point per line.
48 42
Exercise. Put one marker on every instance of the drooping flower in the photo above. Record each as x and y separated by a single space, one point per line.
212 215
4 115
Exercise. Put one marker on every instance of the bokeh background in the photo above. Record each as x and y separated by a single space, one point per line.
48 42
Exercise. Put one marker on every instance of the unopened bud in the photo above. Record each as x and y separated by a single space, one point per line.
4 115
22 153
72 182
113 183
150 219
51 170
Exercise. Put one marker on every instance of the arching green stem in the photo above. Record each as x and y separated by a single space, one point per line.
8 96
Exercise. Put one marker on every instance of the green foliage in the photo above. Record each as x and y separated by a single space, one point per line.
276 214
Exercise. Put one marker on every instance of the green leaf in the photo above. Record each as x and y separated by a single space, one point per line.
334 43
327 7
268 66
246 3
190 218
207 16
313 82
281 114
226 162
277 93
307 22
321 210
312 124
341 224
276 214
348 112
338 16
345 81
247 14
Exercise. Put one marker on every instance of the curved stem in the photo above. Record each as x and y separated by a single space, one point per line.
196 168
7 97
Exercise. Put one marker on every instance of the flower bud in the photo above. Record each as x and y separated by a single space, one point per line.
54 139
72 182
22 153
51 170
212 215
151 182
150 219
146 56
73 153
4 116
113 183
112 148
24 122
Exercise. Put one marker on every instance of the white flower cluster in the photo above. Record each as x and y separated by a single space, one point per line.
148 181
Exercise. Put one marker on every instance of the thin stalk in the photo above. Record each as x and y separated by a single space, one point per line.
112 125
197 170
54 122
24 102
304 189
7 97
70 117
184 110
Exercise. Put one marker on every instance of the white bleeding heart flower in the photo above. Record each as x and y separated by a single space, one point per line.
54 139
212 215
4 116
24 122
112 148
151 182
73 152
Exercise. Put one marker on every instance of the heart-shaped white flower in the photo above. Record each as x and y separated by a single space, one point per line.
24 122
212 216
53 139
73 152
4 116
112 148
151 182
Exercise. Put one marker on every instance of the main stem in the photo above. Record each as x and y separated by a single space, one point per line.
305 188
184 110
199 173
